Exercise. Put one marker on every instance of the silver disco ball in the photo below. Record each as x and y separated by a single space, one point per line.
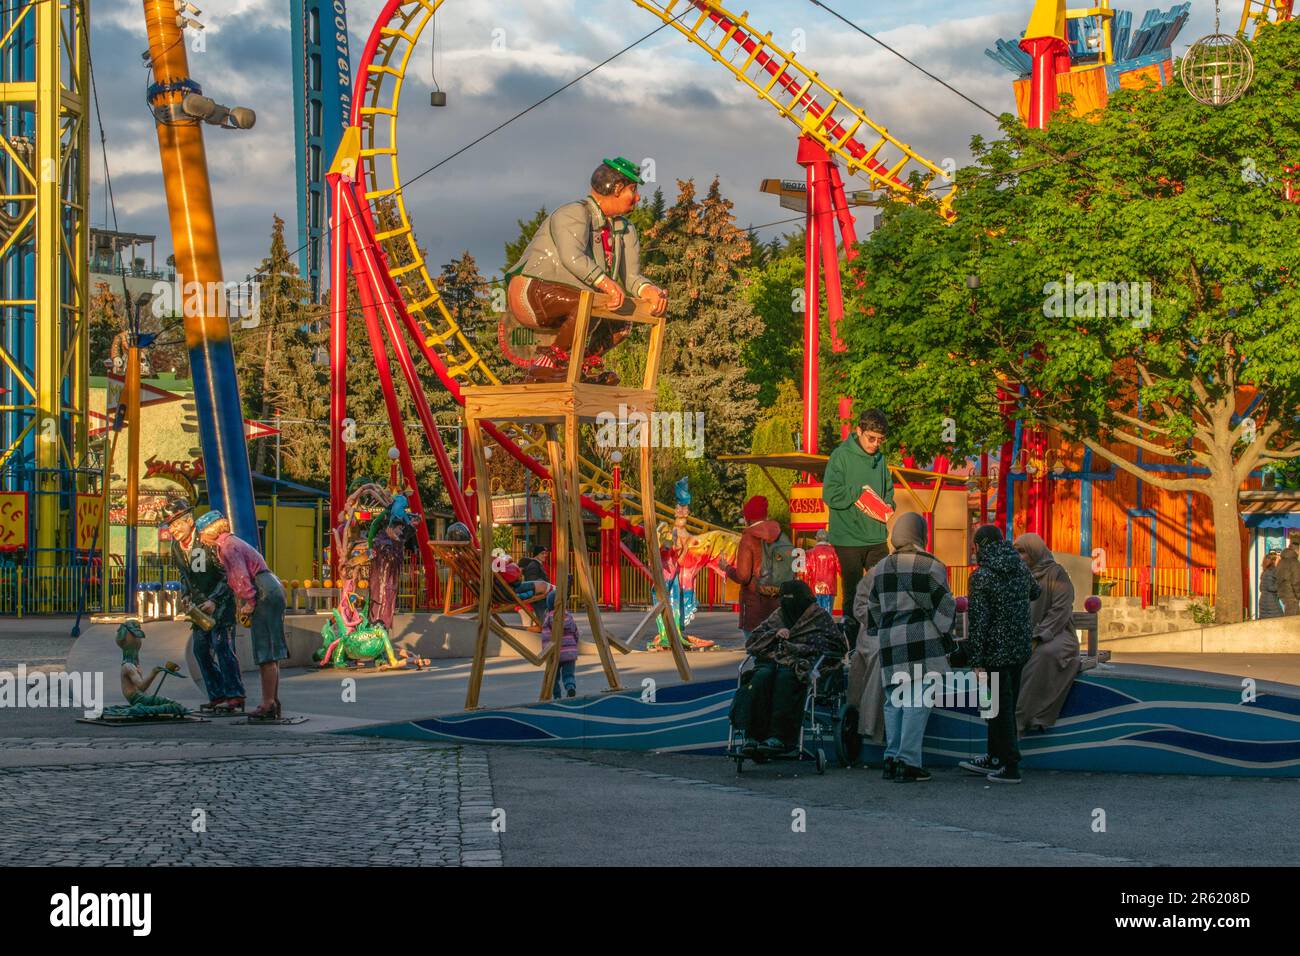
1217 69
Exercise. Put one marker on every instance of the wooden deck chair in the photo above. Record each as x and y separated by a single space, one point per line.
462 562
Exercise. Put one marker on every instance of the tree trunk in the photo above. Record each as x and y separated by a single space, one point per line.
1228 601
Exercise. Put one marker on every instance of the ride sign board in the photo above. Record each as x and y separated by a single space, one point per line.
807 510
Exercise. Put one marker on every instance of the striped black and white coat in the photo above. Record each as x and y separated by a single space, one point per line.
909 610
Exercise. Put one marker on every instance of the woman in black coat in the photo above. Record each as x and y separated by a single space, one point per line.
999 639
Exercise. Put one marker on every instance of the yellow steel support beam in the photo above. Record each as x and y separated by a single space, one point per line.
43 153
50 262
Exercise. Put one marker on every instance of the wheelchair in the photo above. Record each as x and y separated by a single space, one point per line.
829 720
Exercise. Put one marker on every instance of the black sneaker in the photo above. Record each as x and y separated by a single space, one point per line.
891 767
1005 775
906 773
749 748
981 766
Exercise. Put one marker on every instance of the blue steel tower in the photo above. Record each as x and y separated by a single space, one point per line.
322 100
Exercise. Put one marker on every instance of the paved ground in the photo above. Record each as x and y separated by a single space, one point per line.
90 795
336 806
42 642
106 801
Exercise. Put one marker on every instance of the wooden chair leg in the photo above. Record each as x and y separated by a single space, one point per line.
560 504
485 566
572 437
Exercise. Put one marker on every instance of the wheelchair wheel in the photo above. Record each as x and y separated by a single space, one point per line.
848 743
740 765
821 760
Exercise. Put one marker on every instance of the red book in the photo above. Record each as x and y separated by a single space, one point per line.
872 505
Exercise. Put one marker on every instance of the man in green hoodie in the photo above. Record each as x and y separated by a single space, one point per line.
859 539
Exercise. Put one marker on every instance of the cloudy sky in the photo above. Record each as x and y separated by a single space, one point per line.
663 100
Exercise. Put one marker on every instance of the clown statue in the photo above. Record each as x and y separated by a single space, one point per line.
684 555
390 539
587 245
376 534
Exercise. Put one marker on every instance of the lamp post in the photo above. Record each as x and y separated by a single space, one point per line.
393 455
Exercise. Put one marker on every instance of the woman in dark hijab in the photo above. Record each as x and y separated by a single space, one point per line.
785 646
999 638
1046 680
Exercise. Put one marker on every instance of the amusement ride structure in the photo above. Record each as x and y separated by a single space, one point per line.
399 296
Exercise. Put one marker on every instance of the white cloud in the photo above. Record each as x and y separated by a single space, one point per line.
664 99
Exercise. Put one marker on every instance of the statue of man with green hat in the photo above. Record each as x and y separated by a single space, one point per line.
588 245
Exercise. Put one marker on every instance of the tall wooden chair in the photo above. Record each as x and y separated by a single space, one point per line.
562 408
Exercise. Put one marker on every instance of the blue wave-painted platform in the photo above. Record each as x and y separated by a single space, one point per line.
1125 718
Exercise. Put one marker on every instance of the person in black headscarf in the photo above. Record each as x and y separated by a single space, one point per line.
1047 678
785 646
999 638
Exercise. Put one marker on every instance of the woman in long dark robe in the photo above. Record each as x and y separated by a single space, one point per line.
1046 680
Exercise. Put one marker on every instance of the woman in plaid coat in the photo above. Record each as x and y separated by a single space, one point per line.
911 612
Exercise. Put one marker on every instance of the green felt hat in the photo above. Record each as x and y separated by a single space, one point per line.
628 168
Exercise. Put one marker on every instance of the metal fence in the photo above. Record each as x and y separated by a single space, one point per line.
33 587
30 587
1152 583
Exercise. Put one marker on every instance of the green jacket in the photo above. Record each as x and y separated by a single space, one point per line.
847 471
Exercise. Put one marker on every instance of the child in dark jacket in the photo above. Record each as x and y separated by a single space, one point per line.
568 648
999 639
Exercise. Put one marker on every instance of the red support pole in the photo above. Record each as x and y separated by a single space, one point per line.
849 239
1046 53
814 166
618 538
392 310
984 487
382 368
1007 401
338 368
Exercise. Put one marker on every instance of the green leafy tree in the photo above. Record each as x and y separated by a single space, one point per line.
776 432
1158 196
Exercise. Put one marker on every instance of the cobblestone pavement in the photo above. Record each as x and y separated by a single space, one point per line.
372 806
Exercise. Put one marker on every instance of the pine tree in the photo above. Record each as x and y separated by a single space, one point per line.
709 320
270 346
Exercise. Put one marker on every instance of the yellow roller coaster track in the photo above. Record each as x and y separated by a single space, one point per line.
774 74
1256 13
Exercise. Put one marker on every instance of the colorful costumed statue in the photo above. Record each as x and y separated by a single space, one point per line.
684 555
377 532
587 245
140 703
